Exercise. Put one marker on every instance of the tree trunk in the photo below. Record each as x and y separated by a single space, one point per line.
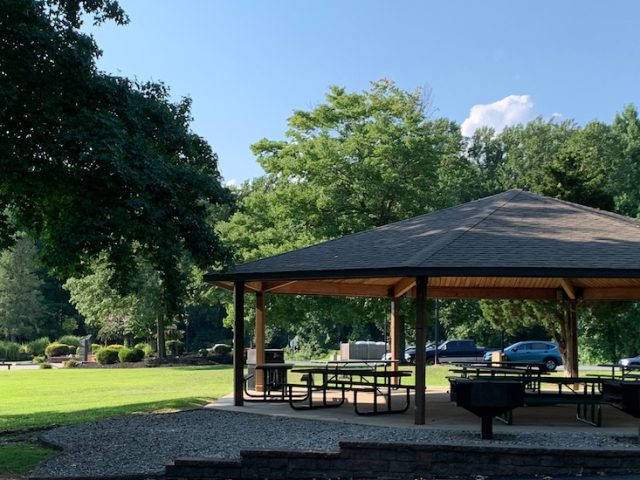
161 343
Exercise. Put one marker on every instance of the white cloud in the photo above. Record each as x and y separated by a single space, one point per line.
508 111
231 183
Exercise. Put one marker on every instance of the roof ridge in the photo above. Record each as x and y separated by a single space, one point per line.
596 211
362 232
421 259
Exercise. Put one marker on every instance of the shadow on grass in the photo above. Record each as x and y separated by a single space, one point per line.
42 420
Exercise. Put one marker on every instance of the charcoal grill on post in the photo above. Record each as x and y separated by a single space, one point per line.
487 398
624 395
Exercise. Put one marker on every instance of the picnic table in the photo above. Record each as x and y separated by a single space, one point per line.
341 376
275 383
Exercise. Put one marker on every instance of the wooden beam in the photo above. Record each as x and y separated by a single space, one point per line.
491 293
254 286
571 328
238 343
568 288
259 340
420 372
616 293
396 351
332 288
403 286
273 286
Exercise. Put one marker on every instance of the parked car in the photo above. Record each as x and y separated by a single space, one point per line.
449 351
630 362
532 351
410 353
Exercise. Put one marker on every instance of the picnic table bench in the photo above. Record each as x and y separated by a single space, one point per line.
4 363
379 383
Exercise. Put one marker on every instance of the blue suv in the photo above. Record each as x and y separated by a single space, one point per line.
533 352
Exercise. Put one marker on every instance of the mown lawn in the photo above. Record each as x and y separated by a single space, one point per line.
44 398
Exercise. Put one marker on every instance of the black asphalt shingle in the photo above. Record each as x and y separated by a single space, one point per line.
515 233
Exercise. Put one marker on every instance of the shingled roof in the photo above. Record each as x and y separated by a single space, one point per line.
512 234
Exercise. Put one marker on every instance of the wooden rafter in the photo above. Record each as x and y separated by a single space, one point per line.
403 286
569 289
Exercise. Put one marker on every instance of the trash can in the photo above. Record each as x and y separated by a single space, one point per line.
271 355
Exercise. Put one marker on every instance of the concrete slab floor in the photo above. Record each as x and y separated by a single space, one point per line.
441 413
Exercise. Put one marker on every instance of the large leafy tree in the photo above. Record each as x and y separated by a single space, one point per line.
94 164
357 161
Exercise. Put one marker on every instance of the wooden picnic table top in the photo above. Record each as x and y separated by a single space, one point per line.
275 366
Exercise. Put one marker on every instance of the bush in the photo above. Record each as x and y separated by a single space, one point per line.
175 347
70 363
146 348
130 355
70 340
37 347
107 356
95 347
10 351
115 346
38 359
45 366
56 349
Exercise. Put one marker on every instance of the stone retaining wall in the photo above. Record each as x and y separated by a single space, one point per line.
362 460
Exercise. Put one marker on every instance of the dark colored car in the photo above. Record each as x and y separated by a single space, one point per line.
533 351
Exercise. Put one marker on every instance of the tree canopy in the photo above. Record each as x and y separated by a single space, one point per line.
95 164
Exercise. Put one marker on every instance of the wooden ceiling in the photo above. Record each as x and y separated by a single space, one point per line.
505 288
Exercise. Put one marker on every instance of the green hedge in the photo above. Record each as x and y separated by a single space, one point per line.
56 349
107 356
10 351
130 355
38 346
175 347
70 340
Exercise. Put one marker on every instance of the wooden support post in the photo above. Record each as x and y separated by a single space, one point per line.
396 352
238 342
421 301
259 340
571 325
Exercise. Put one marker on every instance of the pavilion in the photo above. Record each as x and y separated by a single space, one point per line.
514 245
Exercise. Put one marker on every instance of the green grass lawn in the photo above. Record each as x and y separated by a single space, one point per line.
43 398
40 398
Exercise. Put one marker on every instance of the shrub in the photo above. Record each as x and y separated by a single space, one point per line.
56 349
130 355
37 347
38 359
45 366
146 348
175 347
107 356
115 346
221 349
70 340
95 347
10 351
70 363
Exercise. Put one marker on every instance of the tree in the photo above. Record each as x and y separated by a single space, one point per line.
21 300
626 128
95 164
357 161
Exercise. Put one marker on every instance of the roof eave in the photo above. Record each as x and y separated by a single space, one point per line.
423 271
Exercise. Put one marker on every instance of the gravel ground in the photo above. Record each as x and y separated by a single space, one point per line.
144 444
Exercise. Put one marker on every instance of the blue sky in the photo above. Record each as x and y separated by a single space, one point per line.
248 64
